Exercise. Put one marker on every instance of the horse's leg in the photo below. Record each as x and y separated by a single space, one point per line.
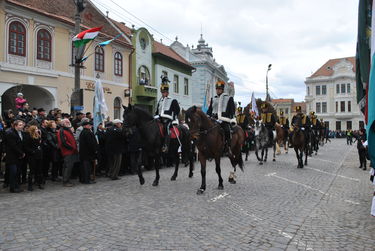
278 151
274 148
202 160
305 158
191 165
285 146
266 154
297 155
177 162
218 171
139 172
157 167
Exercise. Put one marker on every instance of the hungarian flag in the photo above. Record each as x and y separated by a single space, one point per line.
86 36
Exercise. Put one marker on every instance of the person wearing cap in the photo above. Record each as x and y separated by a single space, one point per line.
269 119
302 121
20 100
77 120
41 115
223 109
88 148
284 122
167 110
242 119
114 147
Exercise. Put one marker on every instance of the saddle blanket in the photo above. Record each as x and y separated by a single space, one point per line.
173 132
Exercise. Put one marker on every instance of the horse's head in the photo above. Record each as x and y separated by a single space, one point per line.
129 116
194 121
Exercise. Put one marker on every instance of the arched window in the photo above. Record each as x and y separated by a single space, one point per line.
17 39
143 75
99 59
117 108
44 45
118 64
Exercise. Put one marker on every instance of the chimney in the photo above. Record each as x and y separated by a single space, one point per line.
107 12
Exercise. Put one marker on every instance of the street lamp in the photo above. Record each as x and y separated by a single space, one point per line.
268 98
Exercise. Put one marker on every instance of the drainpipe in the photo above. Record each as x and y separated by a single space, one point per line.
130 75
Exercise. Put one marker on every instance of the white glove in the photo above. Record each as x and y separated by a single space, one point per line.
302 128
156 116
219 121
282 126
175 122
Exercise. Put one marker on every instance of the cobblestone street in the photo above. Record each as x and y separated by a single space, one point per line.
324 206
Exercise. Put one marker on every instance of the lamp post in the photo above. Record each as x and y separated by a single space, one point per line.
268 98
75 98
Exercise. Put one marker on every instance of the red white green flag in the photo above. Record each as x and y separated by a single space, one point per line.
85 36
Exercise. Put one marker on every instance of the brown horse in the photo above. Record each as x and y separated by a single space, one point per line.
281 138
300 144
210 142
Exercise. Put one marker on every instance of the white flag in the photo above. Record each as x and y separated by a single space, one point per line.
254 107
100 107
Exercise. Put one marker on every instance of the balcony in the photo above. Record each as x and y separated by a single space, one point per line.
145 91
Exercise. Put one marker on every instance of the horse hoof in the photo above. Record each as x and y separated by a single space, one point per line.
141 180
155 183
220 187
286 152
232 181
190 175
260 163
246 159
173 177
200 191
273 160
316 153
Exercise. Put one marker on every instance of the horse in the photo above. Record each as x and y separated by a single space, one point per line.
209 139
151 133
281 138
262 141
314 142
300 143
249 140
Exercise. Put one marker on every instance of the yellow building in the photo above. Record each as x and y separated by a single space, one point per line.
36 55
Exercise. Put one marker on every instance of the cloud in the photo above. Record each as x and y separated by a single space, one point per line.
297 37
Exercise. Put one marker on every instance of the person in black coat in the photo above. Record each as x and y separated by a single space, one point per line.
34 154
88 148
361 138
102 157
114 147
54 155
14 140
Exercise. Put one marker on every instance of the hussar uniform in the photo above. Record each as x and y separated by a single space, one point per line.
269 120
242 119
223 109
284 122
167 110
302 121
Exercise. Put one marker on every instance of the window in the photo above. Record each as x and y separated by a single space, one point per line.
324 107
318 107
348 88
175 83
324 90
338 125
317 88
143 43
337 88
143 75
337 106
186 86
286 110
308 91
117 108
349 106
342 88
118 64
342 106
17 39
361 124
44 45
99 59
348 125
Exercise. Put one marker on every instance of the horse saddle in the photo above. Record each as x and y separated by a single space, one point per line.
174 132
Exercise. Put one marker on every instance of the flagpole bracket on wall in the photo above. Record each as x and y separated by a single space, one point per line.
97 75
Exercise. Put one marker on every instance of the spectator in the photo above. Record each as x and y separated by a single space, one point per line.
41 115
88 148
361 148
51 115
45 148
20 100
8 118
53 155
114 146
34 154
79 129
102 157
68 148
89 116
15 153
77 120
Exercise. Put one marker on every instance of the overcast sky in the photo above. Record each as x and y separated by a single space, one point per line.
295 36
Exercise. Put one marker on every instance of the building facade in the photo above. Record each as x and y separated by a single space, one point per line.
331 93
37 55
207 73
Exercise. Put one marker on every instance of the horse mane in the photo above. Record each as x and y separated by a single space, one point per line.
199 112
143 113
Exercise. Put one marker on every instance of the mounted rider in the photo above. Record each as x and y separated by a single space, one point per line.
167 110
242 119
301 121
284 122
269 120
222 108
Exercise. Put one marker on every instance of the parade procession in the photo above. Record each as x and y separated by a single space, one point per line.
118 134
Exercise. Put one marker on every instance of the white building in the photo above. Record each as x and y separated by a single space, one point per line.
208 71
331 93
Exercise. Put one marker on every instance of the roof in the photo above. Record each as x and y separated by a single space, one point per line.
282 100
160 48
64 11
122 27
327 68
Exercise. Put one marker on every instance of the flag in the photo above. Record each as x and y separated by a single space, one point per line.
102 44
86 36
371 96
100 107
207 98
254 107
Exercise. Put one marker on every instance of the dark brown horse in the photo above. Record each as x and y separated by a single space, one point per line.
281 138
210 142
300 144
